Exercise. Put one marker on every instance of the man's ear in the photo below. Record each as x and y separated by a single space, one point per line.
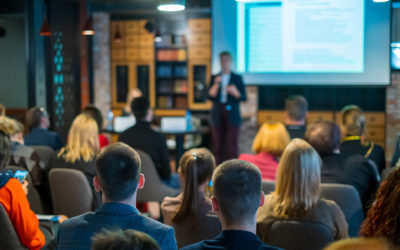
214 204
262 199
141 181
96 184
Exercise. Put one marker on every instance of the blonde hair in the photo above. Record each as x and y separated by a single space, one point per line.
132 94
298 179
271 138
83 140
360 244
11 126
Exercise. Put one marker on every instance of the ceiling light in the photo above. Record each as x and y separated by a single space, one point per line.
158 37
380 1
88 28
171 5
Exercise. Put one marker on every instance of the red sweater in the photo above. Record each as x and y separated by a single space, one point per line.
24 220
265 162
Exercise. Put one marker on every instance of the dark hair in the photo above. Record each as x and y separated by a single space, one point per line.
140 106
118 168
383 218
353 120
197 166
123 240
95 113
34 116
324 136
4 148
296 107
225 53
237 188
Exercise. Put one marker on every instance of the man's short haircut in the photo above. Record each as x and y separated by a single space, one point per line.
140 106
118 168
353 120
324 136
225 53
296 107
237 188
123 240
95 113
34 116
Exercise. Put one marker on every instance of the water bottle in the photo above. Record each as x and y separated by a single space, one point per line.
110 118
189 120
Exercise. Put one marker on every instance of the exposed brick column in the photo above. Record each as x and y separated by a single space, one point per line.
392 114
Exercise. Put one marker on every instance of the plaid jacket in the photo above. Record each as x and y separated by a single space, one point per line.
76 232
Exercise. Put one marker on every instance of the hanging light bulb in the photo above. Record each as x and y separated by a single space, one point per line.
158 37
88 27
171 5
45 28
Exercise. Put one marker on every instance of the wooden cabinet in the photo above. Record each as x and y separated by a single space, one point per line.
199 74
200 25
314 116
270 116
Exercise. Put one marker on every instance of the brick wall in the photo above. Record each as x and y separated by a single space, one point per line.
392 114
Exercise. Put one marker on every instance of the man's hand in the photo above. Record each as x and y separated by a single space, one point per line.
25 187
214 89
233 91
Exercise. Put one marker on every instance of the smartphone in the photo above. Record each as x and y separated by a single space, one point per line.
21 175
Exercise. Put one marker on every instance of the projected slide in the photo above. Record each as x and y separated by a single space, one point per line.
322 36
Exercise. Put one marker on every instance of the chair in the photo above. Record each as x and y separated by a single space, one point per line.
154 189
348 199
35 202
70 192
267 186
297 235
8 237
44 153
206 227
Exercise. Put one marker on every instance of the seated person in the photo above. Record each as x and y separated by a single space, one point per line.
236 196
13 199
296 195
80 152
95 113
360 244
268 145
132 94
195 170
21 155
123 240
142 136
118 177
353 129
296 107
383 220
39 123
353 170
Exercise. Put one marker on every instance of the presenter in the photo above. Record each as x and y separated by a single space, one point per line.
226 91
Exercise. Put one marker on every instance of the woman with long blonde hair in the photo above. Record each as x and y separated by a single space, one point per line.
269 144
81 151
296 195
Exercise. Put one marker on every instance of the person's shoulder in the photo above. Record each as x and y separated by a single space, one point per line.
76 222
246 157
198 245
155 226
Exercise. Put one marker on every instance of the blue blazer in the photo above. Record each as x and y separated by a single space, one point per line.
232 240
77 232
232 104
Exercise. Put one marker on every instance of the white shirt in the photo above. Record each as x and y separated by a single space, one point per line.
224 84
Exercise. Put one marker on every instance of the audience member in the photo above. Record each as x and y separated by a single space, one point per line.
268 145
2 110
353 129
15 203
237 195
296 107
142 136
383 218
132 94
39 123
118 177
360 244
95 113
353 170
80 151
296 195
395 162
21 155
123 240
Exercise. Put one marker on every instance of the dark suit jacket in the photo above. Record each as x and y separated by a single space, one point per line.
232 103
232 239
141 136
296 131
39 136
77 232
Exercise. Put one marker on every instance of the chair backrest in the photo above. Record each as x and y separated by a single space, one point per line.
154 189
206 227
44 153
70 192
35 202
8 237
348 199
267 186
298 235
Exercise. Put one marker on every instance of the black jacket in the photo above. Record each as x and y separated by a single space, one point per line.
232 103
